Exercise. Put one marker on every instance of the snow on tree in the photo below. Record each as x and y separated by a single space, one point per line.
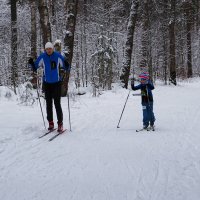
129 44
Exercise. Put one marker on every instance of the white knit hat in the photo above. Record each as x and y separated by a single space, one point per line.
48 45
57 42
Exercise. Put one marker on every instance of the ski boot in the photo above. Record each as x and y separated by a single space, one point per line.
51 126
152 127
60 127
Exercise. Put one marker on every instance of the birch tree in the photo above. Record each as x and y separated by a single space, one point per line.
44 21
33 29
187 5
14 75
71 11
129 44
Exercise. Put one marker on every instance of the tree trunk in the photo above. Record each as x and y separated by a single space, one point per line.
33 30
33 37
146 56
188 12
82 57
165 39
44 21
77 69
51 8
172 55
189 51
71 11
145 40
14 56
165 60
85 40
129 44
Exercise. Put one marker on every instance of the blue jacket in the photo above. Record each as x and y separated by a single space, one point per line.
146 92
51 66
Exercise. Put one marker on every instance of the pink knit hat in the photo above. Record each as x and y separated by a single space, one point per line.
144 75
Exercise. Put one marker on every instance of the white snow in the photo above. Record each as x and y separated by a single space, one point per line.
97 161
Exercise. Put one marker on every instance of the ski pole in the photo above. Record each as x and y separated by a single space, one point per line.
123 109
69 113
40 105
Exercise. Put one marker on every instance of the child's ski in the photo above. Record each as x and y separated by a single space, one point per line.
139 130
146 129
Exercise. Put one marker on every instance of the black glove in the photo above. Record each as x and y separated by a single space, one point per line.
32 64
67 65
132 82
30 61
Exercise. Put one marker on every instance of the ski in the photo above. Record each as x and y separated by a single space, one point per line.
147 129
55 136
142 129
47 133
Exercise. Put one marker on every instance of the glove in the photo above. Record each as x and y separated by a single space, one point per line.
67 65
30 61
32 64
132 83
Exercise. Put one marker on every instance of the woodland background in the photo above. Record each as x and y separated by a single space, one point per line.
105 41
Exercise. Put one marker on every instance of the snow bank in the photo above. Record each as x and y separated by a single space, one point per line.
98 161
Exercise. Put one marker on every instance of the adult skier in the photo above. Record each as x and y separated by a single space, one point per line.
146 87
52 63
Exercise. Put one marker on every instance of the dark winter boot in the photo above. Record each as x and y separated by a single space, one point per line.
152 127
60 127
145 126
152 124
51 125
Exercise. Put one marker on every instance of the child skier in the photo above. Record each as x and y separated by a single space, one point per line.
147 99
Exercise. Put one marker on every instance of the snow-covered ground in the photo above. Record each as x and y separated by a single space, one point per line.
97 161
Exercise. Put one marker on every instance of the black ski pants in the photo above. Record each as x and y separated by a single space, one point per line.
53 93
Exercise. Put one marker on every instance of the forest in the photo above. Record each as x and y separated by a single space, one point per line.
105 41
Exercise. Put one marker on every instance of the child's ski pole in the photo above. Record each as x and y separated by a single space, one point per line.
123 109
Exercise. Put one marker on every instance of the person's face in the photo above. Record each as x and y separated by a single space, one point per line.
143 81
57 48
49 51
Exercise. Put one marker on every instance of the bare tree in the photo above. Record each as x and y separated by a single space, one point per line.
44 21
33 29
33 36
146 57
189 18
172 56
165 39
129 43
71 11
14 75
84 45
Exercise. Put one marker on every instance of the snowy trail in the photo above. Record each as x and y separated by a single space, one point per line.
97 161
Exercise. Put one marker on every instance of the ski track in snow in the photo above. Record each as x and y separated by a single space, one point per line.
97 161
